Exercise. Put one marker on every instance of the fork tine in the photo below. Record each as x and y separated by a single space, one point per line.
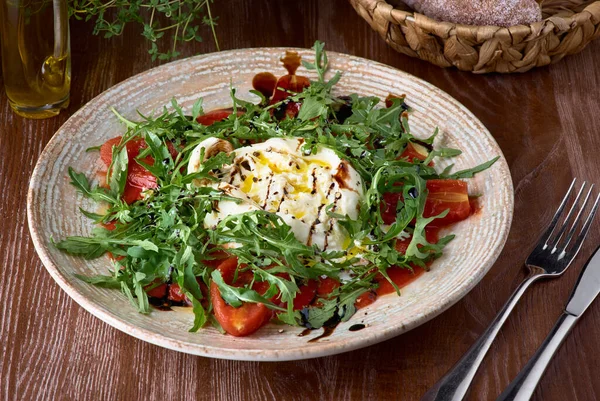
554 243
559 211
576 222
586 226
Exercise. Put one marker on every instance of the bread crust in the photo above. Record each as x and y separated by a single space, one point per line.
480 12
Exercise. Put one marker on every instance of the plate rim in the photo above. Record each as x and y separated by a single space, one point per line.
288 354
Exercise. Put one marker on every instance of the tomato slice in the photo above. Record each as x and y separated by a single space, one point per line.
414 151
241 321
106 150
443 194
399 276
244 320
388 208
365 299
447 194
327 286
213 116
306 295
138 178
157 292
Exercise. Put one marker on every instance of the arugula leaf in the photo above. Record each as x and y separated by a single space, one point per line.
101 281
442 152
311 108
235 296
470 172
118 172
80 182
82 246
199 315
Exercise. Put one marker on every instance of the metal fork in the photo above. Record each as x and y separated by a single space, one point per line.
551 257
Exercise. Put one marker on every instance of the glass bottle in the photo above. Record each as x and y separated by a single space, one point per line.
36 56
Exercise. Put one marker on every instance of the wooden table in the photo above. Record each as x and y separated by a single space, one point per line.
546 121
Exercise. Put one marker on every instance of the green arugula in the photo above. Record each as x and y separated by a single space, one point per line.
163 238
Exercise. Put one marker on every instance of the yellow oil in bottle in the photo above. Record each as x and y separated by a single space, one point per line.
35 56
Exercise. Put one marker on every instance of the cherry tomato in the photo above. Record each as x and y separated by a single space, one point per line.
402 245
106 150
241 321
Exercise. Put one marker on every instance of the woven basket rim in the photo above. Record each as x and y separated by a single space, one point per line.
394 15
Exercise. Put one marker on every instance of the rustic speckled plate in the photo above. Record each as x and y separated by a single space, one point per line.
53 204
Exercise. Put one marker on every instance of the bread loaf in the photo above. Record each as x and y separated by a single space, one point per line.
480 12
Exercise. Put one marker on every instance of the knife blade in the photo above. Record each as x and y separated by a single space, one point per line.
586 290
587 287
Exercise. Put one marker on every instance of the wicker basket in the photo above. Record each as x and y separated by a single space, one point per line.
569 25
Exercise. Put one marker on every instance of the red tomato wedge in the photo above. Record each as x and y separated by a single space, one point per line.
327 286
138 178
447 194
414 151
400 276
241 321
306 294
365 299
388 208
214 116
443 194
157 292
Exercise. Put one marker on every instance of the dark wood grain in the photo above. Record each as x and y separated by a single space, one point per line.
546 122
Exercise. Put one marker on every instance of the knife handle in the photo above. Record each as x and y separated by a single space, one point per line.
523 386
455 384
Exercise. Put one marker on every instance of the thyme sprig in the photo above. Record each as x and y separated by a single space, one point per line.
182 18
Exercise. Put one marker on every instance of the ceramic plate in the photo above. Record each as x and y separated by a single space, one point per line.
53 204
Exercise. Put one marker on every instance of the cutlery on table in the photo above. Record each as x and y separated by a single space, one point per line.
584 293
551 257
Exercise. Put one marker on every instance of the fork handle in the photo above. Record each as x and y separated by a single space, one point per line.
523 386
455 384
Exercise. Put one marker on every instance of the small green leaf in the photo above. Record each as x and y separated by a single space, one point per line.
101 281
470 172
118 173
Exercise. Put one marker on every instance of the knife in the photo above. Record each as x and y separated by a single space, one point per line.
586 290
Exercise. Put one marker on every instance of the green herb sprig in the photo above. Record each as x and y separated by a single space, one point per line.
182 18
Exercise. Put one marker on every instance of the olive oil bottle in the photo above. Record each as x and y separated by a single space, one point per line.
36 59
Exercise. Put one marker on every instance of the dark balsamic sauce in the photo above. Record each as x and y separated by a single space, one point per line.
162 304
327 331
356 327
305 332
328 327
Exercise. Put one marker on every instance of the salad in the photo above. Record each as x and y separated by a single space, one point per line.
299 209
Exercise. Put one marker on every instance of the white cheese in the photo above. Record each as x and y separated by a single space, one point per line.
277 177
